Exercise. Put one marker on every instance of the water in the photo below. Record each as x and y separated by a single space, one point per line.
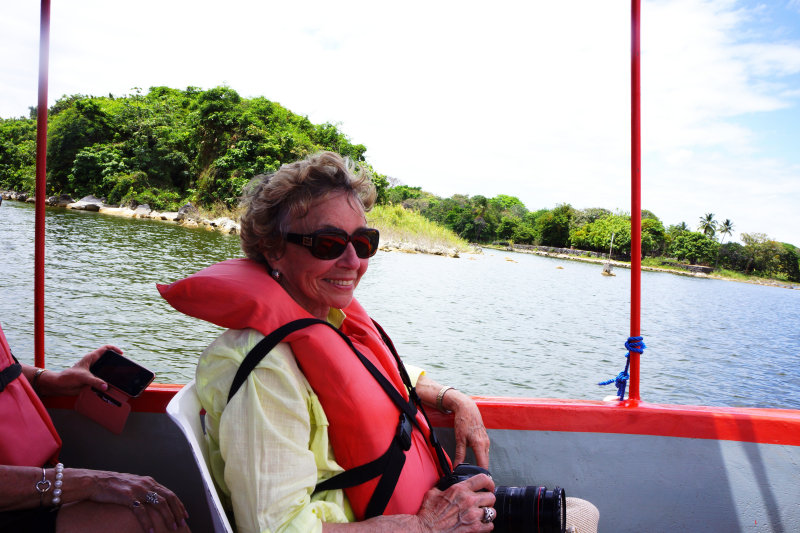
496 324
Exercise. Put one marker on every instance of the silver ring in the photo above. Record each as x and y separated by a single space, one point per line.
136 504
488 515
151 497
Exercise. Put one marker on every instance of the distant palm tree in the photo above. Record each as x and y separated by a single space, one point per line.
708 225
726 228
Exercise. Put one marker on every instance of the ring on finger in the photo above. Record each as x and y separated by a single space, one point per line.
489 514
151 497
136 504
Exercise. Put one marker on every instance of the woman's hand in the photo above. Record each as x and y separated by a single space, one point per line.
468 424
148 499
459 508
70 381
469 428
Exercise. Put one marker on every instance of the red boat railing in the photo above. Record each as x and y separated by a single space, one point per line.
636 197
41 187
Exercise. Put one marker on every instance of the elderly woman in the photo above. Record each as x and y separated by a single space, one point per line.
289 408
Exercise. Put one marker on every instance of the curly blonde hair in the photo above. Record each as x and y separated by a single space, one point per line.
274 200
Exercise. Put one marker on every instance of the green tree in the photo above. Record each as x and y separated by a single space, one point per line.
581 217
789 262
726 228
648 215
596 236
508 226
80 125
708 225
694 247
506 202
92 167
552 228
524 234
763 254
18 154
400 193
732 256
381 183
653 237
676 229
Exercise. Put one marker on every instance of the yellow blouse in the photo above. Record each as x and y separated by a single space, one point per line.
269 448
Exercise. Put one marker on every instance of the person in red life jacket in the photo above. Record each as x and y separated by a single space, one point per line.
37 493
324 392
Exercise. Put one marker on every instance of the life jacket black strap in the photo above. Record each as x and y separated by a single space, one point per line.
265 346
444 464
389 465
10 373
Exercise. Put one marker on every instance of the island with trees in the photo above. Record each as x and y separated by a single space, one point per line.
169 148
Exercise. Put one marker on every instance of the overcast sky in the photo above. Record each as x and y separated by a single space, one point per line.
526 98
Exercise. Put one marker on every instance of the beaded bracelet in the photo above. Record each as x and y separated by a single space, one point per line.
59 482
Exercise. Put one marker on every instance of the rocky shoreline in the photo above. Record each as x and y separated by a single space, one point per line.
189 216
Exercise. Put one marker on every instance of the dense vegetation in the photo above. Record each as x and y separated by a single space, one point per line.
505 218
169 147
163 148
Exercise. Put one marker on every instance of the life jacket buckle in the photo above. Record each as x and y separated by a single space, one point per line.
404 429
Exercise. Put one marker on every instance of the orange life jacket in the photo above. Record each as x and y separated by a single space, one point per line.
239 293
27 434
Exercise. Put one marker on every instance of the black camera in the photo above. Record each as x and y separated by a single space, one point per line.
519 509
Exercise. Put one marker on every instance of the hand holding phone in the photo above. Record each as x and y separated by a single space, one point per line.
125 380
122 373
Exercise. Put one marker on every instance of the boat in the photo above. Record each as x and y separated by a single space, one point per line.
647 467
608 269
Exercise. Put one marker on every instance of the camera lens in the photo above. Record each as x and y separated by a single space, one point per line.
524 509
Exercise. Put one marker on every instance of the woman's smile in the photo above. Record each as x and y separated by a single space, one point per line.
319 284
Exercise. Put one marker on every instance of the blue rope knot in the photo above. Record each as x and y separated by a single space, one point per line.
619 381
633 344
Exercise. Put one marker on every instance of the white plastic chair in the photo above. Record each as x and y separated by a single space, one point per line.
184 409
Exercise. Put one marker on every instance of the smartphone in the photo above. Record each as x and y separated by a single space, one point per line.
122 373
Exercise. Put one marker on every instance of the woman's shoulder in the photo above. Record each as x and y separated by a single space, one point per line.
219 363
233 345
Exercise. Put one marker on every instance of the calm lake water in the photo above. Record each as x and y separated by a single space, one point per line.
495 324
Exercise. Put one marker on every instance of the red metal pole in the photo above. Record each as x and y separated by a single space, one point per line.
41 185
636 197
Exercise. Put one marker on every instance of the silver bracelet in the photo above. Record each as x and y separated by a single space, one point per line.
440 398
43 486
35 381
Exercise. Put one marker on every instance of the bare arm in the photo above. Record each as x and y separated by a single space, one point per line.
18 491
468 424
69 381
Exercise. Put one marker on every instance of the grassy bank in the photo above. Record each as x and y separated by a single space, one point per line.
409 231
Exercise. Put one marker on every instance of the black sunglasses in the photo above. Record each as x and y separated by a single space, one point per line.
331 243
